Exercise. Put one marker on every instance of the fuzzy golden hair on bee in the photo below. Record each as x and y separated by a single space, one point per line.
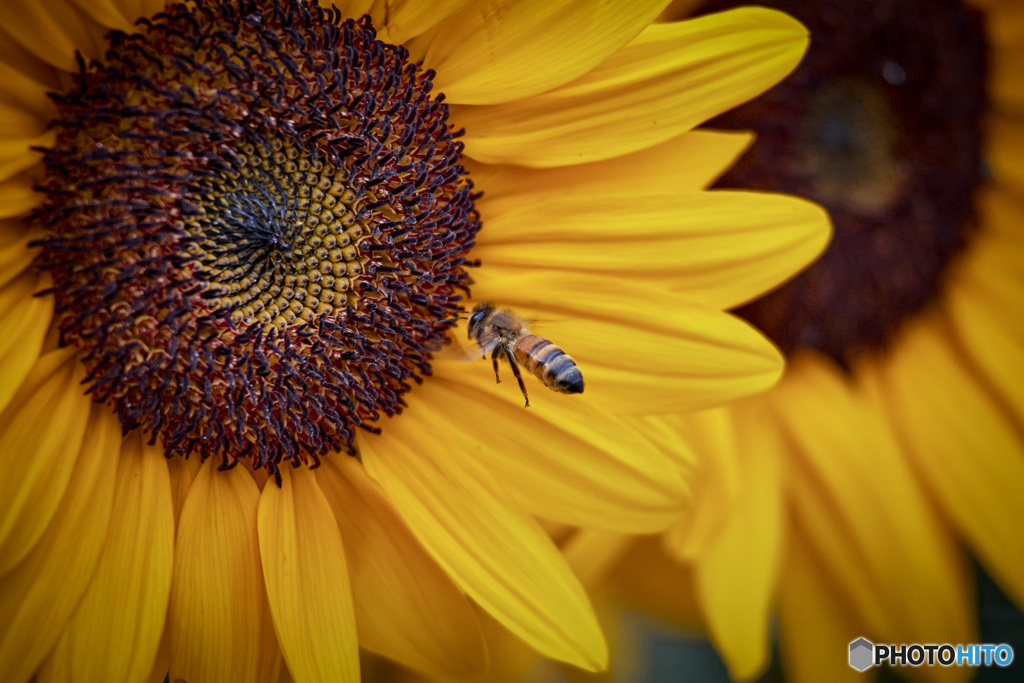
506 336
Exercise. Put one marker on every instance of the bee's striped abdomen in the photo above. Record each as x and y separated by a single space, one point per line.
552 366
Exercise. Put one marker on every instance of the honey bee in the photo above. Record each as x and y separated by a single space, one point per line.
504 335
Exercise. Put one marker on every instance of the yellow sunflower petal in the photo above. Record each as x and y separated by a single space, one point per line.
987 284
587 467
669 79
861 506
25 319
961 445
654 170
38 596
499 51
718 248
17 196
134 9
1006 164
115 632
53 30
398 21
591 553
106 13
715 481
25 106
40 439
218 617
307 580
182 472
815 623
498 555
14 56
18 134
1005 85
399 589
640 349
737 572
652 581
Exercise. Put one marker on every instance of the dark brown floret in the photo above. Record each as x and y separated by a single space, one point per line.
880 124
256 215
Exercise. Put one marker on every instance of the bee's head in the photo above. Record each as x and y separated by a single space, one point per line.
476 318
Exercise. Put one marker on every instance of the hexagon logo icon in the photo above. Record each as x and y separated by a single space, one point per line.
862 654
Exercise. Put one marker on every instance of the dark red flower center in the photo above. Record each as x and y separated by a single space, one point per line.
256 216
881 125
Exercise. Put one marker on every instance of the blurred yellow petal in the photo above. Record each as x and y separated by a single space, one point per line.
517 575
988 284
40 439
736 575
39 595
218 619
815 630
669 79
399 590
1007 165
498 51
307 580
961 445
716 482
114 633
858 503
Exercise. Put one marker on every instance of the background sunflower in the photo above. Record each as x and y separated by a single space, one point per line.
851 499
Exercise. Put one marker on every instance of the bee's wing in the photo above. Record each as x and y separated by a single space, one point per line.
456 349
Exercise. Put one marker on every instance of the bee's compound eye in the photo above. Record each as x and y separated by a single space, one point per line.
474 321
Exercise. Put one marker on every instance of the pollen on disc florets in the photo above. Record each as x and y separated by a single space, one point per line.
256 215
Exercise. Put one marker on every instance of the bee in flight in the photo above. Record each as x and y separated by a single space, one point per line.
504 335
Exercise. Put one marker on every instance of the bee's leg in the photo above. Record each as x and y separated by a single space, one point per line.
519 376
494 359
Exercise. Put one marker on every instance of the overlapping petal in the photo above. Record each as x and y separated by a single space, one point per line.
310 596
39 595
689 162
114 633
218 619
965 450
858 503
986 285
456 510
25 319
586 467
499 51
737 572
669 79
718 248
394 575
40 439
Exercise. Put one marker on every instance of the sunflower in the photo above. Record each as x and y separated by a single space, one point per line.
236 240
849 500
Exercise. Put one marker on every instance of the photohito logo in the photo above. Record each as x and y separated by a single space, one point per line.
864 654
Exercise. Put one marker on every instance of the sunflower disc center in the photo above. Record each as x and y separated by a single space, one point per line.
256 217
880 124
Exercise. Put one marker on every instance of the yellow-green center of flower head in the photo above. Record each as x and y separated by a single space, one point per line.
880 124
256 216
